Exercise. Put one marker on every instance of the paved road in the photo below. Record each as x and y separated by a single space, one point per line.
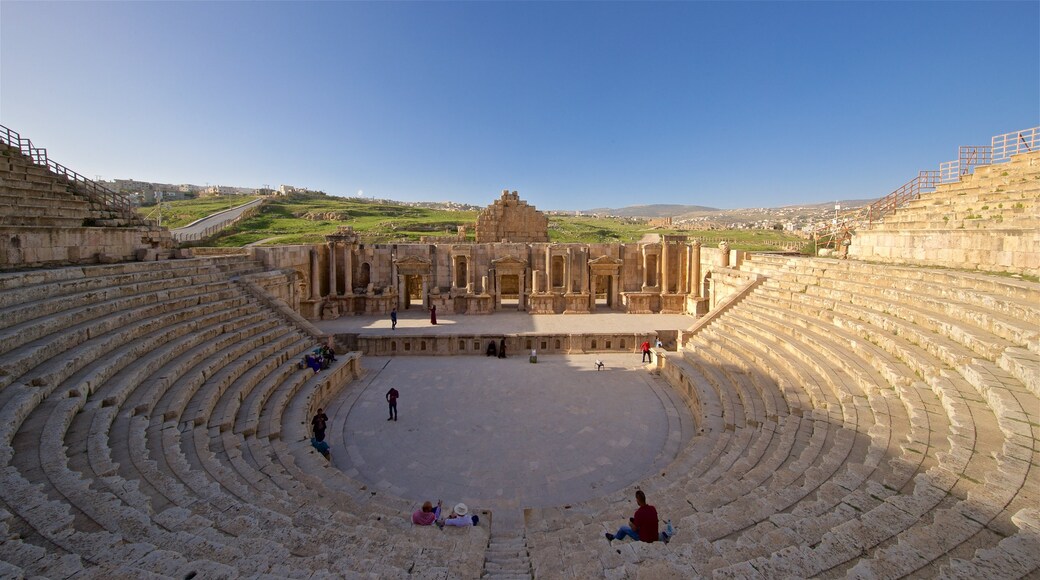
197 227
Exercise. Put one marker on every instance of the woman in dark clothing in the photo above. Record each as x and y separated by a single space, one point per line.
502 349
491 351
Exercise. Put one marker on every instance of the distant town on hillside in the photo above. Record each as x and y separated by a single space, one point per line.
674 216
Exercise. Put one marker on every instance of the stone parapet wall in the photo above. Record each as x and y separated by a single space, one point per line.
24 246
991 250
476 344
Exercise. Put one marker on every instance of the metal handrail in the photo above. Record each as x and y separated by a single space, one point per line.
1013 143
909 191
968 157
92 189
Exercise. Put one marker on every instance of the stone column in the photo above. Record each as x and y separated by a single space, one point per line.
520 302
615 295
484 284
548 269
333 291
695 269
646 273
567 271
425 291
665 263
470 273
315 276
592 292
348 270
584 279
536 279
724 254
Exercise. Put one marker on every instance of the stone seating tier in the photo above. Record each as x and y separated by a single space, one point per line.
851 421
906 453
116 448
28 192
985 220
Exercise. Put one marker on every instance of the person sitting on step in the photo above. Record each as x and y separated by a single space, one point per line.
427 514
642 525
460 517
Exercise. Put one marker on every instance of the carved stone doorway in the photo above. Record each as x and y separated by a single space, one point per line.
510 291
413 291
604 292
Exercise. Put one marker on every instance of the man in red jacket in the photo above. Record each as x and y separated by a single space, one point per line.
646 351
643 525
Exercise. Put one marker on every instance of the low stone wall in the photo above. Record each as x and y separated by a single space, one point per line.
476 344
29 246
991 250
217 251
347 370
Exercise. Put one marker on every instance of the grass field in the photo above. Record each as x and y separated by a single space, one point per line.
307 218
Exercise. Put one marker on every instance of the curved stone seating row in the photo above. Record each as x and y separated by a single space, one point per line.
920 459
1007 194
153 444
969 456
724 482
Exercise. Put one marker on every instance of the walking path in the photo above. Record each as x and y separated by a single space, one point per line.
199 226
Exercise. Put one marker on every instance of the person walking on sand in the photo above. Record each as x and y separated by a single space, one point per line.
393 319
391 398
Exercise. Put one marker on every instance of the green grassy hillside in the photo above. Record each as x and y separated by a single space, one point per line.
307 218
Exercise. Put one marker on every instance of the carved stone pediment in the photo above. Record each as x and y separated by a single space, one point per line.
509 264
605 261
461 250
412 265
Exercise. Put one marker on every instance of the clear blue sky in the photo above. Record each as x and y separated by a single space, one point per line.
575 105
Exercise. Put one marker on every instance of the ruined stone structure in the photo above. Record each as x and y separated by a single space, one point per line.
347 277
850 419
511 219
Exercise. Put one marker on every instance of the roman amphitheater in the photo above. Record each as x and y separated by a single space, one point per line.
872 414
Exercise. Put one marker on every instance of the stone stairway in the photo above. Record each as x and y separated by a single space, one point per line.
506 557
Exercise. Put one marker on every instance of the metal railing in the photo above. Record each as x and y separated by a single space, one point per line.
967 158
909 191
92 189
1001 150
1008 144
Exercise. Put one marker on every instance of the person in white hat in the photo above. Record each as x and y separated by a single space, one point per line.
460 517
